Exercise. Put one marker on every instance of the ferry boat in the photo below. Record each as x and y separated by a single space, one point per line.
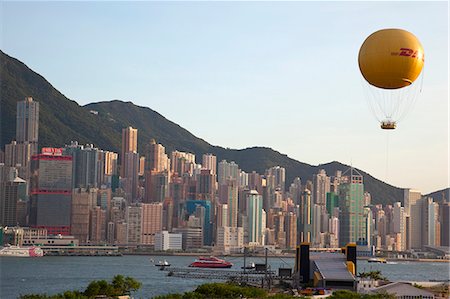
16 251
211 262
377 260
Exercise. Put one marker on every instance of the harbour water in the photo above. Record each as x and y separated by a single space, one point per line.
52 275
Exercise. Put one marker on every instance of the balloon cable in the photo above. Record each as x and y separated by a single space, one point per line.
387 157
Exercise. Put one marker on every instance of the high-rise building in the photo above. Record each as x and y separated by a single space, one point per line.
290 227
129 145
317 211
444 210
206 185
306 212
51 192
152 218
85 164
230 239
430 222
352 217
97 223
295 190
168 241
232 203
321 186
156 186
203 211
399 223
19 155
227 171
81 204
155 157
130 178
255 218
181 163
110 163
13 195
133 217
279 177
209 161
332 202
221 215
27 123
410 197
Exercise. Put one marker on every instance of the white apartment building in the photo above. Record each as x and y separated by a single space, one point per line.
168 241
230 239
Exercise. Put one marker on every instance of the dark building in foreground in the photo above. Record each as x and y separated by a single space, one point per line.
51 192
327 269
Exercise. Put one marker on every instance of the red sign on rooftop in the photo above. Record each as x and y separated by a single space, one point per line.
53 151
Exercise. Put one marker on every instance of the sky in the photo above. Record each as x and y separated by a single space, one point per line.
283 75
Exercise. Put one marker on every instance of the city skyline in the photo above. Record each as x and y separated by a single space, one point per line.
76 194
263 59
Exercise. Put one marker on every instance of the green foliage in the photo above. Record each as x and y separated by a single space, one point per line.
375 275
169 296
283 296
120 286
221 290
345 294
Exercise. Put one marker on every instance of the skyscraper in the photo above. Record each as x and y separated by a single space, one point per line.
351 201
232 202
152 218
413 229
209 161
227 171
51 192
19 155
279 177
444 210
133 217
130 175
155 157
202 210
305 227
27 123
129 145
206 185
321 184
81 205
255 218
399 223
85 164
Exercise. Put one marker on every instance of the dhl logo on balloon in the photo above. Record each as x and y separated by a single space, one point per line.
409 53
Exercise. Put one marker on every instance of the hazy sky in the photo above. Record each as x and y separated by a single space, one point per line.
239 74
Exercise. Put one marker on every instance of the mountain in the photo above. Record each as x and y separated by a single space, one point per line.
60 119
63 120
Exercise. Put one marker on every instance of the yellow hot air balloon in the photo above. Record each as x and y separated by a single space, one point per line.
391 60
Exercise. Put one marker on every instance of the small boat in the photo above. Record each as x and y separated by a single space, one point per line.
249 266
162 264
377 260
211 262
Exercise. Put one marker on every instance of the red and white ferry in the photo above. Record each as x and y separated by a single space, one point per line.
16 251
210 262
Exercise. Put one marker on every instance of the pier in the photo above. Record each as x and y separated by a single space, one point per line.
81 250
